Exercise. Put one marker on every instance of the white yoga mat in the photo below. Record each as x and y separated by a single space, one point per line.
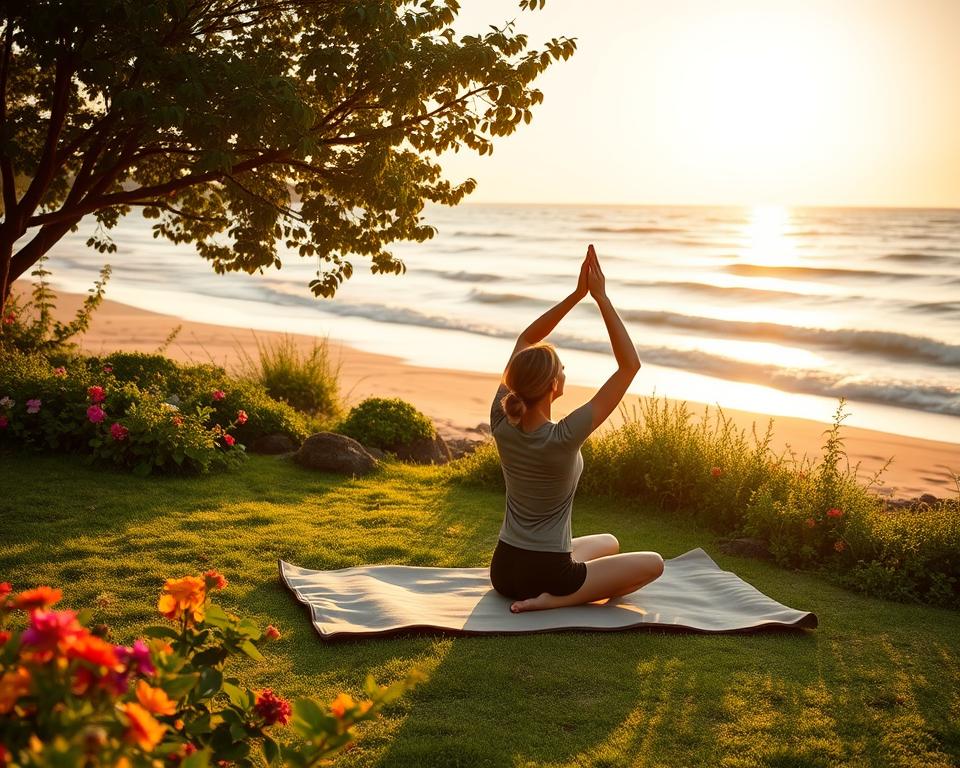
693 593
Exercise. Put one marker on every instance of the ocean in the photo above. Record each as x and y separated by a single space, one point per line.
768 309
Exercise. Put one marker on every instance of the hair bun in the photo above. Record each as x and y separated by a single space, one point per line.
513 406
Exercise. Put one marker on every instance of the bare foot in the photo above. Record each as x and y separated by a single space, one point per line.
538 603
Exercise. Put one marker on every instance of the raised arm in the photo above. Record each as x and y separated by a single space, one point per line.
608 397
540 328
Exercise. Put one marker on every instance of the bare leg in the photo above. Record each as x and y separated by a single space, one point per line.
594 546
610 576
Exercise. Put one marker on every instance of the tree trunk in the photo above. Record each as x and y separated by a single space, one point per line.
14 265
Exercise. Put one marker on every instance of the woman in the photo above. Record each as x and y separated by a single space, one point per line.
537 563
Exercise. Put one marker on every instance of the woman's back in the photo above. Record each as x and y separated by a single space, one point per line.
541 469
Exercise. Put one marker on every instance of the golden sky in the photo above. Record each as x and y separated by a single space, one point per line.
733 102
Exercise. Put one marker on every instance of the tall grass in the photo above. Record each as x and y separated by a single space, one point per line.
809 512
307 380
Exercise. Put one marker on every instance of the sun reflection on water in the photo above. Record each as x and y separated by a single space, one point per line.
767 238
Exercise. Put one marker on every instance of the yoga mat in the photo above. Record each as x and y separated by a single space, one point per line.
693 593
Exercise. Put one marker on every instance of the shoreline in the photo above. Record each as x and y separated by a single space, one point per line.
459 401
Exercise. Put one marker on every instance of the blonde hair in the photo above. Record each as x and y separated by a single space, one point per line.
529 376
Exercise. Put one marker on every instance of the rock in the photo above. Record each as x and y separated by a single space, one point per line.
425 451
745 547
483 427
330 452
376 452
928 498
461 446
272 444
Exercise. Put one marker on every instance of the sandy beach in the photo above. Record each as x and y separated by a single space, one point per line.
459 402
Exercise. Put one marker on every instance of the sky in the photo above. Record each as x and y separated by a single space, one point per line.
738 102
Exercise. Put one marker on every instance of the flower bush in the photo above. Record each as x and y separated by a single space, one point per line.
70 698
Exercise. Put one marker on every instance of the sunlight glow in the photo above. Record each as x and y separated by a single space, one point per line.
766 240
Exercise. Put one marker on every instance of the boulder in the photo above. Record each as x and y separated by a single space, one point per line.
272 444
424 451
745 547
461 446
330 452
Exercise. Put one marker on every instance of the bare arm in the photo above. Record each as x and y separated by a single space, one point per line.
541 327
608 397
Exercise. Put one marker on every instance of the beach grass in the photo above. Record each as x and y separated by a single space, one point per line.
878 683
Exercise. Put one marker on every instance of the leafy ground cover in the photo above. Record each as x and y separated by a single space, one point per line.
878 683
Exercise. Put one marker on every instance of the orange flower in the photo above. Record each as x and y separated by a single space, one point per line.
341 704
183 596
271 632
41 597
811 522
154 700
716 471
839 545
93 650
144 730
13 685
834 512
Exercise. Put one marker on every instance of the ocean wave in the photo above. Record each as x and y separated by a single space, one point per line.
883 343
462 275
648 230
909 394
488 297
807 273
938 307
732 291
917 258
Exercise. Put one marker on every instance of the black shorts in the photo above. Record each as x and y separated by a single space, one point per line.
524 573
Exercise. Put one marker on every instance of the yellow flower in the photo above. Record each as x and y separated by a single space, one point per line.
183 596
144 730
341 704
154 700
13 685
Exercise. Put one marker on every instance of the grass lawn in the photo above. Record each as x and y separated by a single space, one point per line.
877 684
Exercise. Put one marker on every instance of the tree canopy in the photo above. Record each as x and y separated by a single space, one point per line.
246 126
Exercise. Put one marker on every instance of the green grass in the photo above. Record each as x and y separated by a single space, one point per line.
877 684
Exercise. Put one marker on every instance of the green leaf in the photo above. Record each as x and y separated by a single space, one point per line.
271 750
180 686
251 650
238 696
211 680
160 631
310 721
199 759
217 617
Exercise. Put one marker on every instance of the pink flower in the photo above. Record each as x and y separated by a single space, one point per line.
219 394
229 439
6 402
271 632
95 413
136 657
213 579
96 394
716 471
10 319
241 417
108 369
834 512
4 422
839 545
118 431
811 522
59 371
33 406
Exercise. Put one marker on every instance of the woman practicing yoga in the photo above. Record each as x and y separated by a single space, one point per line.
536 562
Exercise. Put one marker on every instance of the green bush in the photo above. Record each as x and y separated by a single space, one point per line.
307 381
386 423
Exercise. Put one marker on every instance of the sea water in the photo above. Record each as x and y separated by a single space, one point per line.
768 309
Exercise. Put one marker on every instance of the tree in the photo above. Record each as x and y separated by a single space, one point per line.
242 124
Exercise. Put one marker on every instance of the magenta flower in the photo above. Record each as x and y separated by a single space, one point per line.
241 417
4 422
108 369
118 431
33 406
136 657
95 413
219 394
59 371
96 394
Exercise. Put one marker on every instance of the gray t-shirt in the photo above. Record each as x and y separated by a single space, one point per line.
541 469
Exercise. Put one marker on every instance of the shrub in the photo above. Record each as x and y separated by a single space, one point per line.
307 381
70 698
386 423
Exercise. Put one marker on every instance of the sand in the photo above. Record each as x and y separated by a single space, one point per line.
459 401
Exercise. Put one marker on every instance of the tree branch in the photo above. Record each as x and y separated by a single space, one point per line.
6 164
